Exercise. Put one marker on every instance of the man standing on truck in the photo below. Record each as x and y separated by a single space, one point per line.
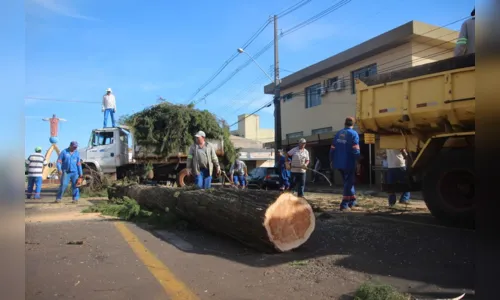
466 38
35 163
69 166
239 172
109 107
396 173
201 161
300 161
344 153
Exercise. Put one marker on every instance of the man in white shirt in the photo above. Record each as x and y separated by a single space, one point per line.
396 173
109 107
300 161
35 162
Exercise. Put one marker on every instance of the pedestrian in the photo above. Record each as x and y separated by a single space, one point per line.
344 153
238 173
396 173
109 107
35 163
467 36
284 171
69 167
300 161
317 168
201 161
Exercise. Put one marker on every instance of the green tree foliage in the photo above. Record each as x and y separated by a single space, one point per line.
168 128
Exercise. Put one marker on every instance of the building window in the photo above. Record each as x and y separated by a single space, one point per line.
331 81
322 130
362 73
313 95
294 135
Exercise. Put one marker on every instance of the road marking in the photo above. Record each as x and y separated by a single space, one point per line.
176 289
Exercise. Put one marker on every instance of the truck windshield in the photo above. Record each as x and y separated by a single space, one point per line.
102 138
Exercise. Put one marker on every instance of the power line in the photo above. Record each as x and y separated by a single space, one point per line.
265 105
293 8
270 44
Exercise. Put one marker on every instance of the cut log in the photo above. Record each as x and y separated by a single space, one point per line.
264 220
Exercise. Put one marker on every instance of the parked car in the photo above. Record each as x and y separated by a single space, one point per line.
264 178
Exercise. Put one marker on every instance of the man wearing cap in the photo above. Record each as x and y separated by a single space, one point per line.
109 107
344 152
69 167
300 161
238 173
35 163
201 161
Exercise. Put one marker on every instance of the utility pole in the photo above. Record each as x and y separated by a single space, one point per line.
277 100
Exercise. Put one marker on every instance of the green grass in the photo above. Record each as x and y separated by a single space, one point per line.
373 291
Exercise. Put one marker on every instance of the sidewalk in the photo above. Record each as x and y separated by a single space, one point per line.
364 189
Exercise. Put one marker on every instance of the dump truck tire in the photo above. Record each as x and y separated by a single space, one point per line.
184 179
448 187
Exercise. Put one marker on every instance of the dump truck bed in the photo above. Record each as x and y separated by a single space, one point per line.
422 98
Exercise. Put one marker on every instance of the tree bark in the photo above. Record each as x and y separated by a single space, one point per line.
267 221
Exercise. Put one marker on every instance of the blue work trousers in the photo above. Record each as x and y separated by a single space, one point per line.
107 113
204 179
240 180
349 193
284 180
34 181
65 180
397 175
299 182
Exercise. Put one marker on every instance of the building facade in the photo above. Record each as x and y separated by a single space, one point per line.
249 128
317 99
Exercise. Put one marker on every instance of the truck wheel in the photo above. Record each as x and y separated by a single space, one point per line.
184 179
448 187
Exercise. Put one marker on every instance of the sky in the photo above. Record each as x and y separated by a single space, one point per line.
144 50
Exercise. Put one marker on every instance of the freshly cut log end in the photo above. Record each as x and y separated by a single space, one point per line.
289 222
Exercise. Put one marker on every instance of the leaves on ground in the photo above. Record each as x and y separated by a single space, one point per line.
372 291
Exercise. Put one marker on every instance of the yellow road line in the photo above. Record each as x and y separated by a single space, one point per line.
176 289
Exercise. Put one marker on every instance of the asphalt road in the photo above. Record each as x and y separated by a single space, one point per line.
70 255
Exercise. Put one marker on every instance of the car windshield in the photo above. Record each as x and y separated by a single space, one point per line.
258 172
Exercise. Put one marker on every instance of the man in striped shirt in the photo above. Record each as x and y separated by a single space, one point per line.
35 162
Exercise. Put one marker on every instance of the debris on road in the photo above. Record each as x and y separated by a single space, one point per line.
74 243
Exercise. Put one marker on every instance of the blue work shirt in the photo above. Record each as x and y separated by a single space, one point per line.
70 163
282 167
345 149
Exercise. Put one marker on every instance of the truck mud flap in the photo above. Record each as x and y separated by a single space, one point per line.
401 187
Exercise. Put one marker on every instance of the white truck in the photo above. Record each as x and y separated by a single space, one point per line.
113 152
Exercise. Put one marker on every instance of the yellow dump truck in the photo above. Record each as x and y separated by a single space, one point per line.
430 111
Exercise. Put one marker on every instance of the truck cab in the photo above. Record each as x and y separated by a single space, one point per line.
108 149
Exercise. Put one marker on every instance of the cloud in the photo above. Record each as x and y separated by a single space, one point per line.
58 7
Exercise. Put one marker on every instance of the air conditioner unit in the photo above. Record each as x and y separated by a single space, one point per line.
322 91
337 85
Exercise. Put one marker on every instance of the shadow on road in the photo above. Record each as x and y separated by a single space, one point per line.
434 255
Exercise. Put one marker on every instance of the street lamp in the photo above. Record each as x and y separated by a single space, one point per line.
240 50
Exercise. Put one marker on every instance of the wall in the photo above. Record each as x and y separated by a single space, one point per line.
249 128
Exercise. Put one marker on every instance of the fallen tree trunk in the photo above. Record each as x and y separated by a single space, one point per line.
263 220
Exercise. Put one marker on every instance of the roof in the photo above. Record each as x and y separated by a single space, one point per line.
413 30
240 142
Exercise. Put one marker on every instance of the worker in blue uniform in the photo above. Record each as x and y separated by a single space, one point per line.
284 172
69 167
344 153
